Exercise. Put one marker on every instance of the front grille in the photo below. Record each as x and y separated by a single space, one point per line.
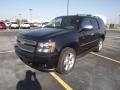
26 45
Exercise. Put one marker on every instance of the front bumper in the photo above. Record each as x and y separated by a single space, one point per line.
1 27
14 27
36 60
24 27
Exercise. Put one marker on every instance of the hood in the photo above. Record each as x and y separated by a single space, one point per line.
43 33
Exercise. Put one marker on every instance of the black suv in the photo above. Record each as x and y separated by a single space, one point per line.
56 46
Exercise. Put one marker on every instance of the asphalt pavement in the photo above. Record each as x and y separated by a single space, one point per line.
94 71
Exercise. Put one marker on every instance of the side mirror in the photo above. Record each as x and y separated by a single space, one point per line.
87 27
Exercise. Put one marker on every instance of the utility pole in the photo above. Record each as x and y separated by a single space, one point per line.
30 12
67 7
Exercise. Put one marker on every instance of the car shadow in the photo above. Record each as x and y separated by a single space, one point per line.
29 83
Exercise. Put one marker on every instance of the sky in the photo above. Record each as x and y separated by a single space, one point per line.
49 9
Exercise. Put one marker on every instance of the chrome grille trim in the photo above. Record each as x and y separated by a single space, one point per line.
26 45
30 42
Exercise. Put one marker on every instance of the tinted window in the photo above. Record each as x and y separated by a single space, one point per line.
1 22
94 23
70 22
67 22
85 21
58 22
101 23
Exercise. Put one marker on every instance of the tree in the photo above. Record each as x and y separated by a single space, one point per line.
24 20
17 21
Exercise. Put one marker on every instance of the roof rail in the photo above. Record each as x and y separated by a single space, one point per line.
96 16
84 15
90 15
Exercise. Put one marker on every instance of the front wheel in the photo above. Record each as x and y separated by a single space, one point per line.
66 60
99 45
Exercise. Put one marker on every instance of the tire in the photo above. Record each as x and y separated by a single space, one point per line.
66 60
99 45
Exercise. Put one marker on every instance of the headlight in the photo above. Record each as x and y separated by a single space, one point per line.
46 47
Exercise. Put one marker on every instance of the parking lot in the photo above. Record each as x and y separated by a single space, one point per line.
94 71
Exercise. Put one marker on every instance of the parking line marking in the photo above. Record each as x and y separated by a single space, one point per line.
1 52
113 37
61 81
113 60
111 46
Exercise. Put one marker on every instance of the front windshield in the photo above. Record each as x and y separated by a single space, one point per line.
64 23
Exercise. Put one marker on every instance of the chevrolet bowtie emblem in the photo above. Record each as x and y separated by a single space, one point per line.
22 42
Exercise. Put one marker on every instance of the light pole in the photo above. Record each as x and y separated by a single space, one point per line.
20 18
67 7
30 11
119 19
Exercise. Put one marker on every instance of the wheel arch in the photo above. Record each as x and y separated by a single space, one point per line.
103 37
74 45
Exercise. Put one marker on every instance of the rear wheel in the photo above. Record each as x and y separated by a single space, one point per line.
99 45
66 60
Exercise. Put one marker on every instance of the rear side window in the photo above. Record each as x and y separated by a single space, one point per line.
85 21
94 23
